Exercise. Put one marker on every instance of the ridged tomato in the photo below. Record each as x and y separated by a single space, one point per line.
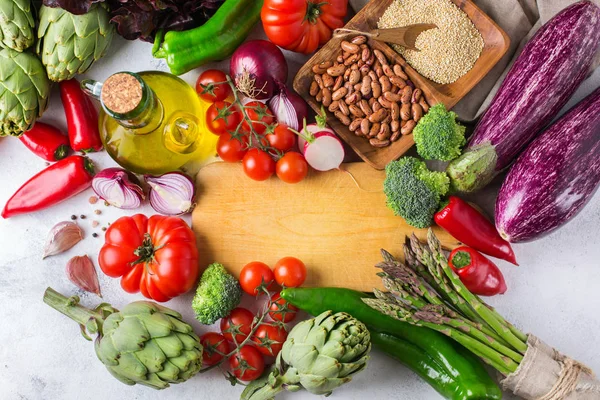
302 25
157 256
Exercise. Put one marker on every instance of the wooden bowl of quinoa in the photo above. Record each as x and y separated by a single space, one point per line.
454 57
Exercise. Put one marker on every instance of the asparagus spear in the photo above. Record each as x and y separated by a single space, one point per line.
395 271
500 362
499 325
448 317
426 292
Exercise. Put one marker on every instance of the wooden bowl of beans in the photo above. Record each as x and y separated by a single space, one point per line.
373 97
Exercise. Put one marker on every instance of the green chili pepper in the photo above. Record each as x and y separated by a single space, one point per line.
216 40
450 369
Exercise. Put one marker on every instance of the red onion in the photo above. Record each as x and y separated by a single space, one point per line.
256 67
171 193
289 108
119 188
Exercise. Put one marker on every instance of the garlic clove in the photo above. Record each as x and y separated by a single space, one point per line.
82 273
62 237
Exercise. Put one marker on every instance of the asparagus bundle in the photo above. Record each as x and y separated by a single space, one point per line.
426 292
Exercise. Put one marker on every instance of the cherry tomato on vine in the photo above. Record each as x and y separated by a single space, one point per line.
239 322
260 115
221 118
258 165
215 345
247 364
269 339
281 310
210 88
253 275
282 138
292 167
230 149
290 272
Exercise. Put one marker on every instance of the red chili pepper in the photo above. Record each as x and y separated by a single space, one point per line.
58 182
480 275
46 141
82 117
467 225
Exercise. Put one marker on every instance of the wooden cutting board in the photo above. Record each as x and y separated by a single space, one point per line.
328 222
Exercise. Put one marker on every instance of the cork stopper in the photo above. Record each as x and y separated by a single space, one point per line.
121 93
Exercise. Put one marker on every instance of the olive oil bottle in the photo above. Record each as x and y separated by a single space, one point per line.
152 122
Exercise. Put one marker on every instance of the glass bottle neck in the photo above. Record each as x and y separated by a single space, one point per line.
146 117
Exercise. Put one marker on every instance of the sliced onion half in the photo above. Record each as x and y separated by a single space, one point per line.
171 193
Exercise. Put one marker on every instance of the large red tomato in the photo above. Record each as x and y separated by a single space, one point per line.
157 255
302 25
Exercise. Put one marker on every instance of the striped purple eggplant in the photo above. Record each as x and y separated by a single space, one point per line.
554 178
543 78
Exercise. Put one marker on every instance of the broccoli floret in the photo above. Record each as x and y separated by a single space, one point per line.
414 192
438 136
218 293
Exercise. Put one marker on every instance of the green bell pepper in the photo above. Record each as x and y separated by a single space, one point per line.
448 367
216 40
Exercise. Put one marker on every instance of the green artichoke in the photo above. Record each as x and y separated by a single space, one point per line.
69 44
144 343
16 24
24 91
319 355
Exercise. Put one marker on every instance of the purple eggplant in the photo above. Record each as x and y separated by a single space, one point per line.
554 178
543 78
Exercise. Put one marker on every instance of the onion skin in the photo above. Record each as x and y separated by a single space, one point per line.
132 192
171 193
259 61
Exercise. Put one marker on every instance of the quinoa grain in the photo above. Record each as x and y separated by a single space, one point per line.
446 53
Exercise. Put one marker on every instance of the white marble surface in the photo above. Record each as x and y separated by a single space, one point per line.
554 293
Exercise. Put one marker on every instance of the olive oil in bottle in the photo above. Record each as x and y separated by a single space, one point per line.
152 122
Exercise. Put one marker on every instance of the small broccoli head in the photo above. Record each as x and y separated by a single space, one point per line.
413 192
438 136
218 293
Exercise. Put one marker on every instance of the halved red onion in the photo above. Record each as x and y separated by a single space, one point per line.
289 108
120 188
171 193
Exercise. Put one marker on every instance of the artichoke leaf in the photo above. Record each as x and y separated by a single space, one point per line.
152 357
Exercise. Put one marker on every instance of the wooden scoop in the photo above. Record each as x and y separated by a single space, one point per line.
405 36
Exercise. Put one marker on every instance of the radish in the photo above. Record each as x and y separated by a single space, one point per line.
319 126
322 150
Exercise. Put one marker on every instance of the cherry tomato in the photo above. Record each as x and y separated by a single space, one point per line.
215 345
222 118
281 310
230 149
292 167
239 322
269 339
258 165
282 138
258 112
210 88
290 272
253 275
247 364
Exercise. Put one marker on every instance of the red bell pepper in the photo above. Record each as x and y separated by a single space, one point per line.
480 275
469 226
46 141
58 182
82 117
